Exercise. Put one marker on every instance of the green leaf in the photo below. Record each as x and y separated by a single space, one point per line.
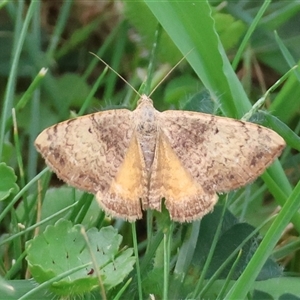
232 235
8 179
62 247
9 152
201 102
180 88
229 29
15 289
153 282
261 295
280 287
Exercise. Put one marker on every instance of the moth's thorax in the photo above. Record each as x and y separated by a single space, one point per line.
145 118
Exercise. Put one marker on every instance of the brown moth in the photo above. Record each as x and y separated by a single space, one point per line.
132 159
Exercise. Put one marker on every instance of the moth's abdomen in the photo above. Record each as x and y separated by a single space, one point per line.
145 118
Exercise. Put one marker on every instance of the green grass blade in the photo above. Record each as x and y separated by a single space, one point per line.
13 74
191 26
59 27
137 264
250 30
246 280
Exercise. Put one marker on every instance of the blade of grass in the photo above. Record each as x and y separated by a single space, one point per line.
186 251
115 63
35 102
33 86
122 290
8 98
260 102
79 37
21 193
291 138
18 149
167 257
287 102
198 290
92 93
104 47
94 261
287 249
286 54
15 269
40 287
227 281
249 32
190 26
59 28
286 110
137 263
152 59
280 191
231 257
30 228
246 280
3 3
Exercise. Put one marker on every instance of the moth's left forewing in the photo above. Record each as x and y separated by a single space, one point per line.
222 154
87 151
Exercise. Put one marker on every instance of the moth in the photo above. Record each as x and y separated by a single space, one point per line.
131 160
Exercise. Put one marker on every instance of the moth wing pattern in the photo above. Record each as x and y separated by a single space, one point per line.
222 154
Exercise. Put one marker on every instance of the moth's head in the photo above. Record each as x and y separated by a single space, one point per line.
144 101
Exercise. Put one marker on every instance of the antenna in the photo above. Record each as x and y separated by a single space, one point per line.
163 79
116 73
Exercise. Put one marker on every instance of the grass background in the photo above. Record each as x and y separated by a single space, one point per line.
239 51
